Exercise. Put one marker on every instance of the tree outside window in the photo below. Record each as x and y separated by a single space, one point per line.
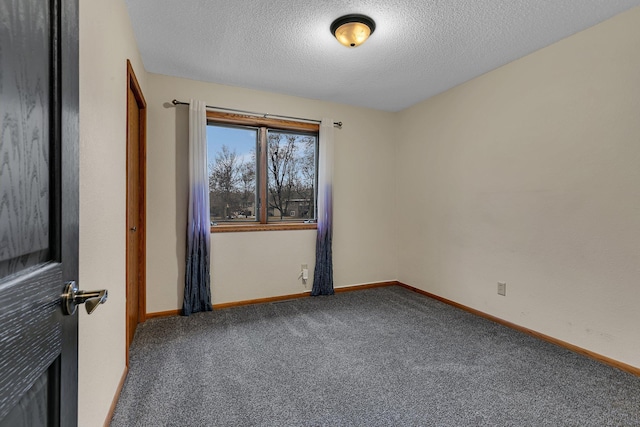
259 174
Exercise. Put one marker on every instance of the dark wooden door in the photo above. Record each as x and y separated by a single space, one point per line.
38 211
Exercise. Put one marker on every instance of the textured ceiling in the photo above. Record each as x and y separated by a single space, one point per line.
419 48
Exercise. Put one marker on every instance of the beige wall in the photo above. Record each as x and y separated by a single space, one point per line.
264 264
530 175
106 41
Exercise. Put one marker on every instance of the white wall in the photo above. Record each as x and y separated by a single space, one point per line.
106 41
254 265
530 174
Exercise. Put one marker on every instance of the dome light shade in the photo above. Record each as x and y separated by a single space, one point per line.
352 30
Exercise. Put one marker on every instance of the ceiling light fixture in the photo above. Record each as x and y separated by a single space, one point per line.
352 30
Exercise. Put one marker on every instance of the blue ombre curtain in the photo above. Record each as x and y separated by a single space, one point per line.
323 274
197 289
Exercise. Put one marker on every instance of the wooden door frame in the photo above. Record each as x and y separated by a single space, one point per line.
134 86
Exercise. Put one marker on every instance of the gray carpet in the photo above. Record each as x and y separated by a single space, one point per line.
377 357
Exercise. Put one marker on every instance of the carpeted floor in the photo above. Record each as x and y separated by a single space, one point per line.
377 357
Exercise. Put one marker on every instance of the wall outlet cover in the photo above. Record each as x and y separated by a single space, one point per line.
502 288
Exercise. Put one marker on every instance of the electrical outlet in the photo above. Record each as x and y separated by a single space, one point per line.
304 274
502 288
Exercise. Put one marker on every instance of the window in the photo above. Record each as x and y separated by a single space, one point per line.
232 173
262 173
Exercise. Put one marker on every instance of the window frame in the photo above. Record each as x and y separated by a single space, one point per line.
263 124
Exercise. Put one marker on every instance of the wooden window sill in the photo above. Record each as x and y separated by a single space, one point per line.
235 228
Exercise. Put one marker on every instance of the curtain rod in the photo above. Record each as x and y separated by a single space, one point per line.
265 115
